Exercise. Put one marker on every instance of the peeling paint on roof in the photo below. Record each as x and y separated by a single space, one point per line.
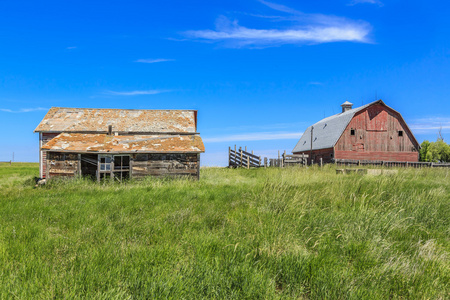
60 119
103 143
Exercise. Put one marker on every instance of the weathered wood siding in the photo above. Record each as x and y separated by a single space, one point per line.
45 137
327 155
377 137
173 164
61 164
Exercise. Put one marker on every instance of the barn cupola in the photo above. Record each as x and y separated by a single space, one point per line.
346 106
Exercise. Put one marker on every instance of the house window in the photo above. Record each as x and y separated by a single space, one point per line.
352 131
105 163
400 133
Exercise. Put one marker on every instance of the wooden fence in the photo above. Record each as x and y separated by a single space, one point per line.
405 164
242 158
287 160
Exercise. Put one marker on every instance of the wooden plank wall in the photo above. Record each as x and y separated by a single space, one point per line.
61 164
175 164
376 130
45 138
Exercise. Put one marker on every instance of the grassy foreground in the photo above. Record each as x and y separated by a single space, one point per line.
242 234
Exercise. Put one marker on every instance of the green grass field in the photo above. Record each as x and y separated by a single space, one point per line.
241 234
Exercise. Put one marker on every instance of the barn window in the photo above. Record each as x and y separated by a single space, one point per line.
400 133
352 131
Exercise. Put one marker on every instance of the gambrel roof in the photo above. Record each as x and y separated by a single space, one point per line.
327 132
62 119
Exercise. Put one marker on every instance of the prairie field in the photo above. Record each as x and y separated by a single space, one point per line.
302 233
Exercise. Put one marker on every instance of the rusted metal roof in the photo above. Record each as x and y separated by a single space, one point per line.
103 143
60 119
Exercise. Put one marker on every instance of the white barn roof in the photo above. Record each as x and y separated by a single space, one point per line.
327 132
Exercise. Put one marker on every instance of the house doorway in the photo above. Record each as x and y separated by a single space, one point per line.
115 167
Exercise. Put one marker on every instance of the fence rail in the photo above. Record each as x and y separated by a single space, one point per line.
243 159
405 164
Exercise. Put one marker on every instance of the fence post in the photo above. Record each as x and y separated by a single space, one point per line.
235 156
260 161
240 149
265 162
245 148
278 162
248 162
321 163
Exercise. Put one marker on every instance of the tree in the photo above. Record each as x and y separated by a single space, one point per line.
438 151
424 150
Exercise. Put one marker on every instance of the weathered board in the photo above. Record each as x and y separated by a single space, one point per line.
44 138
62 165
173 164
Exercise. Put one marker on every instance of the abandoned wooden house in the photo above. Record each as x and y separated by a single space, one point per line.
119 143
372 132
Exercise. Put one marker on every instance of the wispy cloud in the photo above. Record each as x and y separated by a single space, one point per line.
71 48
280 7
378 2
136 93
152 61
255 136
22 110
315 83
304 29
430 125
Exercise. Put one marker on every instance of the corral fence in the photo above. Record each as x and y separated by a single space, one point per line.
241 158
396 164
287 160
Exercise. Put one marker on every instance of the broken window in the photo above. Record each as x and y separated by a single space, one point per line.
400 133
352 131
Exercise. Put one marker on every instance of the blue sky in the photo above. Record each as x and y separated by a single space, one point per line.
258 72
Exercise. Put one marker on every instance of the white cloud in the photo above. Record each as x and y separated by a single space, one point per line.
71 48
152 61
304 29
136 93
255 136
378 2
22 110
430 125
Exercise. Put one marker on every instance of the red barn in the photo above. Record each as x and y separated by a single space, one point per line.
371 132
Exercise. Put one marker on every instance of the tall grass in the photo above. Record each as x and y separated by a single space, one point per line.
267 233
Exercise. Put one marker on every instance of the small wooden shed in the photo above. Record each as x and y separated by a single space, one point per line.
119 143
372 132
